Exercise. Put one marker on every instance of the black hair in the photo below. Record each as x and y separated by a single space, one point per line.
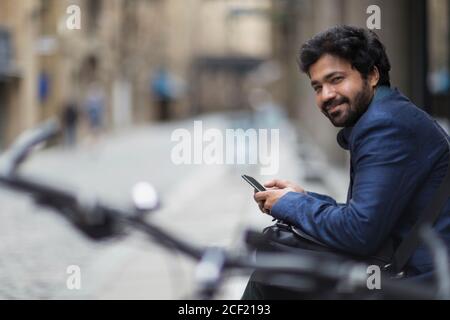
362 48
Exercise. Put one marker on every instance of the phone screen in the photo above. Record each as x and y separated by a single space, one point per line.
255 184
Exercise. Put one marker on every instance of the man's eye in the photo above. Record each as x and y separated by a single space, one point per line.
317 89
336 79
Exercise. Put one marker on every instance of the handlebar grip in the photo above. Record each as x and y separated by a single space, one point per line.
29 139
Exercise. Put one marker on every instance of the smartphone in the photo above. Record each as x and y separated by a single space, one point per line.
255 184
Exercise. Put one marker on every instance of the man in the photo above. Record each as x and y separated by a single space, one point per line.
70 120
399 155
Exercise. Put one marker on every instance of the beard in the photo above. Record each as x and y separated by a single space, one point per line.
355 109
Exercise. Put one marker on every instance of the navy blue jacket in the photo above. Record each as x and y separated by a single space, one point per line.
399 157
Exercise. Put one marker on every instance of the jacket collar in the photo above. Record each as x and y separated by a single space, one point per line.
343 137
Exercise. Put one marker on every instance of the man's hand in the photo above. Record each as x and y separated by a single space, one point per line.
267 199
282 184
276 189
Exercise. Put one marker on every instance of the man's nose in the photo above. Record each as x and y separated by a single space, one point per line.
328 94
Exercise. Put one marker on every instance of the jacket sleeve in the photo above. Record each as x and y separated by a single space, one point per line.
322 197
385 167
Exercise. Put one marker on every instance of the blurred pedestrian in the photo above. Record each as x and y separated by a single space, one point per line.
70 122
163 90
94 107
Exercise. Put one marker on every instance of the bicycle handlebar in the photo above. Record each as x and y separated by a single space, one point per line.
18 152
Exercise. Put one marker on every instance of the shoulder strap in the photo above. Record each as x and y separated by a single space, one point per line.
428 216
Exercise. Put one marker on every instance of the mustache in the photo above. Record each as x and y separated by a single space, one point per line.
327 105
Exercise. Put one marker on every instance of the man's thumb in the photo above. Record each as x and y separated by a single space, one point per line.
270 183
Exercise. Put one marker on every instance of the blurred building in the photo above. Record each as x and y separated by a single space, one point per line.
18 67
233 39
120 45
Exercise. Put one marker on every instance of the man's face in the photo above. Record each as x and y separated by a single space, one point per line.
342 94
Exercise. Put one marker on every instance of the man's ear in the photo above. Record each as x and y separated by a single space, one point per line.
374 77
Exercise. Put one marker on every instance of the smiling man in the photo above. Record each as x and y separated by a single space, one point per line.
399 157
